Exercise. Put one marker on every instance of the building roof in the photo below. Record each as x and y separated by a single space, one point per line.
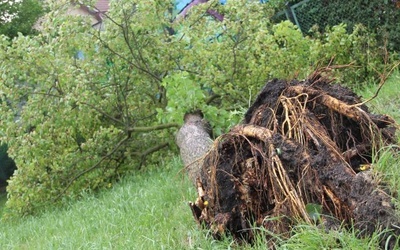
98 10
102 5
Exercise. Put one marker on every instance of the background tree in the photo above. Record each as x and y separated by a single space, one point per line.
19 16
15 16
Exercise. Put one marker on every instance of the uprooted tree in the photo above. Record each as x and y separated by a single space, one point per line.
82 107
301 144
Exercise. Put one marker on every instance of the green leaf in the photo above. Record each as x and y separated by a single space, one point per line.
314 211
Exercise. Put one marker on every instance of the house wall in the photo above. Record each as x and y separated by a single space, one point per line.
81 12
72 10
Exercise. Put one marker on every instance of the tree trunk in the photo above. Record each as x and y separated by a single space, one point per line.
194 141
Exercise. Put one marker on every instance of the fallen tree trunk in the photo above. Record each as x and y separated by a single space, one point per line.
194 141
301 144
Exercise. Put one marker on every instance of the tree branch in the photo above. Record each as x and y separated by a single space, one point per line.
212 98
384 76
102 112
119 144
152 128
151 150
124 58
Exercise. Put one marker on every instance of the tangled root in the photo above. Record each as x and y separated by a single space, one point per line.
301 143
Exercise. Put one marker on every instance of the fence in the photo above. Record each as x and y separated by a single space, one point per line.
373 14
308 13
380 17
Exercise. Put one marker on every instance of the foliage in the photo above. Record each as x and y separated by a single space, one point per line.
182 89
19 16
75 123
75 118
278 5
360 49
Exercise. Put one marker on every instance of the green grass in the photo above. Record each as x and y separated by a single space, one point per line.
388 99
387 102
150 211
146 211
312 237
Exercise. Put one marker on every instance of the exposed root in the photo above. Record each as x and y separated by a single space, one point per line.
301 143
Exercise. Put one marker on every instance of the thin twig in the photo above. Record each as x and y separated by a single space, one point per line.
119 144
103 113
383 77
152 150
152 128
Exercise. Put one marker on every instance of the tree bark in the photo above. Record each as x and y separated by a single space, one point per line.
194 141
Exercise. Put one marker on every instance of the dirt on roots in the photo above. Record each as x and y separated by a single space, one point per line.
303 147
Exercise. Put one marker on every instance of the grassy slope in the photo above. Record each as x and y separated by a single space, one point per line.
150 211
145 211
388 100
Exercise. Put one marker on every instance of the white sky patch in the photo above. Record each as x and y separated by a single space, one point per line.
7 17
